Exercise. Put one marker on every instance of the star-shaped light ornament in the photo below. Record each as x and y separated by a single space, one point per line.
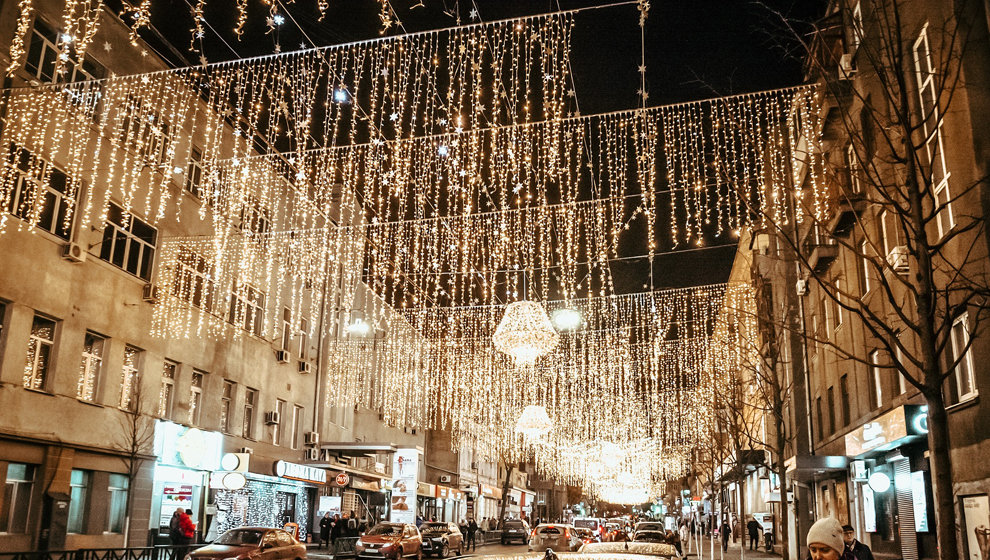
474 14
394 116
107 46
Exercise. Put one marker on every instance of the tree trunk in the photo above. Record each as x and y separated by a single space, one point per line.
941 465
784 504
505 492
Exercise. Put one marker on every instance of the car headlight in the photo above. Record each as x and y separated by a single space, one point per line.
359 543
232 558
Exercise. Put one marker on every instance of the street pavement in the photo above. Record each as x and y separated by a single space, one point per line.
736 552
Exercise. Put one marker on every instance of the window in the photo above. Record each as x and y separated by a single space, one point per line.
118 503
16 498
194 281
130 378
255 218
303 336
837 302
890 232
194 173
225 406
932 121
45 49
247 309
297 412
41 195
864 278
277 427
89 368
821 423
39 354
854 170
876 380
128 243
964 379
831 410
856 33
825 308
196 398
145 133
814 333
844 395
250 401
166 394
79 487
286 328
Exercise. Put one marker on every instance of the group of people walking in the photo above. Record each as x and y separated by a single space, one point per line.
337 527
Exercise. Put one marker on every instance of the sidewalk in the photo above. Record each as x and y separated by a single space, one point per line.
313 551
735 551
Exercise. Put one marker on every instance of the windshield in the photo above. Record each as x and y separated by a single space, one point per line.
650 536
586 523
513 524
386 530
239 537
649 527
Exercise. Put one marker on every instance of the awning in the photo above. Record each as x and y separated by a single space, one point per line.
808 467
358 448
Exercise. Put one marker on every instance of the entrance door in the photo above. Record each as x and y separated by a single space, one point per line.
287 507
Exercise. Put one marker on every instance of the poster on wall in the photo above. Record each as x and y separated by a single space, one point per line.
869 510
920 501
174 496
329 504
976 511
405 481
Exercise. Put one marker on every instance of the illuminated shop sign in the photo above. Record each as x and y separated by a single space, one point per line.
187 447
887 431
296 471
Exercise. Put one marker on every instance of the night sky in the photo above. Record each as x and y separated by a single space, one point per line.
695 49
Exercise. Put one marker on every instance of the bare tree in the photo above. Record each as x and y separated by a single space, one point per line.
891 204
134 442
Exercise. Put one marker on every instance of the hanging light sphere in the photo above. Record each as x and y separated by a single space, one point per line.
525 332
534 422
566 319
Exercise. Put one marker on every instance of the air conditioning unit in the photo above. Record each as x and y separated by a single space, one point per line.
272 418
305 367
312 438
898 259
247 450
847 69
446 478
74 252
152 293
282 356
474 465
312 454
801 287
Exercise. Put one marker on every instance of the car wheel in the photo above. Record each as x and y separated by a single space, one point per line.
444 551
398 554
419 554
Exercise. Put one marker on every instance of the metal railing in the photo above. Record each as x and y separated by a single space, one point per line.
134 553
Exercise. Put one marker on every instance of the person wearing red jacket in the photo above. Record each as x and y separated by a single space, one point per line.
187 529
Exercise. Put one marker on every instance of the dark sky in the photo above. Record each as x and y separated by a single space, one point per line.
694 49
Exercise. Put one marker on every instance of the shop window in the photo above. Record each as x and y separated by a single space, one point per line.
962 356
41 346
128 243
41 195
250 404
196 398
226 399
89 368
166 394
118 503
79 489
130 378
17 498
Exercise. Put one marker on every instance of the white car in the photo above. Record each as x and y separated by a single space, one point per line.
559 537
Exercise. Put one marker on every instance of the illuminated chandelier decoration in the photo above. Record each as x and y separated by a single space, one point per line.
525 333
534 422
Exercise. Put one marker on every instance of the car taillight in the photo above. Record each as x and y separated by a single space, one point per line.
567 533
533 534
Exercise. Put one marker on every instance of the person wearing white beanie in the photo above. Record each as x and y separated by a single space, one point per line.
825 540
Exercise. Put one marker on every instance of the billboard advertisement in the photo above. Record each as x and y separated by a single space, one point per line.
405 481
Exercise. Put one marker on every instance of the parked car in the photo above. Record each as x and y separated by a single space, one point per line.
248 543
513 530
390 540
440 539
555 536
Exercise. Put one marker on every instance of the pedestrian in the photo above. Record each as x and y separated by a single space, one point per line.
685 535
736 529
825 541
725 532
472 528
674 538
174 534
753 526
187 530
337 529
859 550
419 521
463 527
325 525
352 525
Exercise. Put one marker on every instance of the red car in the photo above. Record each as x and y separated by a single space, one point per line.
390 540
252 543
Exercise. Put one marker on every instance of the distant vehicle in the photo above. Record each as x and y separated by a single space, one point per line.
555 536
650 536
594 523
515 530
587 535
649 526
249 543
610 550
390 540
440 539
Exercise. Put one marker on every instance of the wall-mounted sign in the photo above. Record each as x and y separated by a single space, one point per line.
490 491
920 501
976 512
187 447
405 483
329 504
342 479
869 511
886 432
448 493
858 469
296 471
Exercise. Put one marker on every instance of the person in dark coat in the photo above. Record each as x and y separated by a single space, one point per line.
337 529
174 533
753 527
858 549
725 532
472 528
325 524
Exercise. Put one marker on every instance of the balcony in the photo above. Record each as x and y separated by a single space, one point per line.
847 208
821 257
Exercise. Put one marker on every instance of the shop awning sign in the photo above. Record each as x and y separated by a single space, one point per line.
296 471
888 431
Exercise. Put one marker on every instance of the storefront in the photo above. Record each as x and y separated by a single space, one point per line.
287 495
486 504
426 501
449 504
890 483
367 498
186 456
